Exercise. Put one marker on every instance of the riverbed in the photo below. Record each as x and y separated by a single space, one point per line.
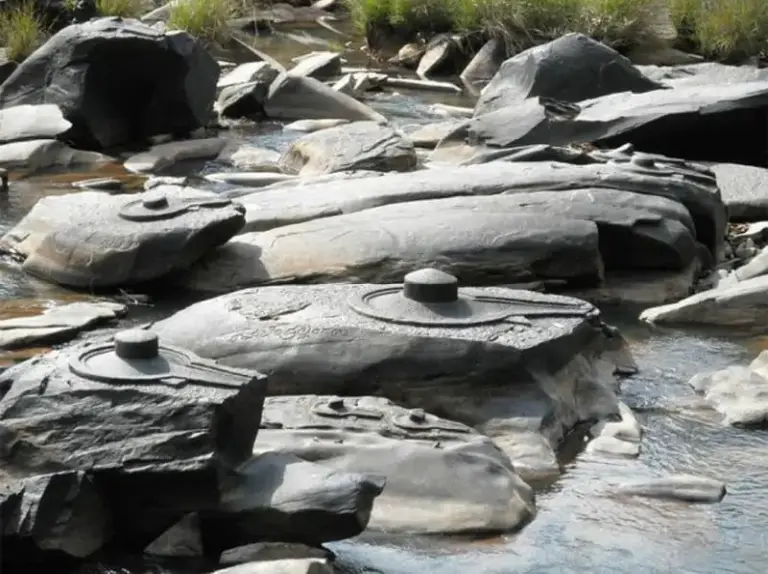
580 527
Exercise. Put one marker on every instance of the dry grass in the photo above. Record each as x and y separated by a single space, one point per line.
122 8
718 28
21 30
205 19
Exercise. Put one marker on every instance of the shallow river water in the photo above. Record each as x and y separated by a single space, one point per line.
580 527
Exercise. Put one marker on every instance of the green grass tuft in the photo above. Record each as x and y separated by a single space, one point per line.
122 8
205 19
717 28
21 30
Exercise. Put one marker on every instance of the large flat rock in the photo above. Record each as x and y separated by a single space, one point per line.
415 451
744 189
506 377
692 186
468 236
84 239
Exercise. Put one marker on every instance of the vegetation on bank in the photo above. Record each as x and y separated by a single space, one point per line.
719 29
122 8
205 19
21 30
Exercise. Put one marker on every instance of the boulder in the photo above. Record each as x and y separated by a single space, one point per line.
467 235
294 97
28 122
251 158
93 239
718 123
118 81
358 145
415 451
319 65
484 66
39 155
161 433
166 155
683 487
443 55
246 100
249 72
622 170
523 379
739 393
571 68
744 189
56 325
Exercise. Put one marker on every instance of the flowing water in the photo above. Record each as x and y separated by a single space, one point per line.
580 527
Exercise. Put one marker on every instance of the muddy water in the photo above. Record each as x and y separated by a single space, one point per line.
580 526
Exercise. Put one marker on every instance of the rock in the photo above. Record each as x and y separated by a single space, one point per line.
662 56
182 540
440 57
376 244
286 566
484 66
281 497
38 155
672 179
299 97
118 81
554 362
571 68
25 122
319 65
100 184
408 55
627 428
414 84
613 446
261 72
135 453
250 158
245 179
684 487
717 123
92 239
744 189
368 434
451 111
734 305
56 325
166 155
310 126
243 100
429 135
740 394
707 73
358 83
358 145
268 551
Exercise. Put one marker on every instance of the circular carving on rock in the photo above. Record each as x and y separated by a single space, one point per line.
418 420
136 356
154 205
432 298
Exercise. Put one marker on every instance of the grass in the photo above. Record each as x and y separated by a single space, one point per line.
206 19
718 29
21 30
122 8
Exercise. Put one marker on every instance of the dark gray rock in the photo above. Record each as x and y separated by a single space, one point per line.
468 236
82 240
249 72
293 97
523 379
118 81
267 551
244 90
348 147
319 65
621 170
484 66
572 68
443 55
415 451
744 189
718 123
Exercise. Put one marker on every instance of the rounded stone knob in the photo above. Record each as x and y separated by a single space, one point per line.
137 344
417 415
643 161
431 286
154 200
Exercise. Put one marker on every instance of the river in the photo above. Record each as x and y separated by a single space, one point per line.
580 527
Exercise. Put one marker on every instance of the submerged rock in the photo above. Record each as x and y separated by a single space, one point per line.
164 156
740 394
718 123
299 97
522 367
683 487
354 146
93 239
571 68
156 433
415 451
118 81
56 325
468 235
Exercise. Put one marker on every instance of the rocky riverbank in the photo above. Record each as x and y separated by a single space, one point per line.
379 305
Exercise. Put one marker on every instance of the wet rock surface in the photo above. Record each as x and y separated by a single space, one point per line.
685 488
90 239
744 189
367 339
112 59
358 145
